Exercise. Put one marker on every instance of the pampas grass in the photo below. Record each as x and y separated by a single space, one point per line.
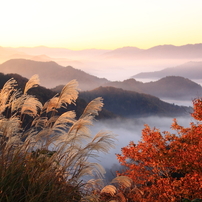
32 83
44 156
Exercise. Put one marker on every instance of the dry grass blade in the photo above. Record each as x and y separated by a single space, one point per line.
6 92
91 169
93 107
16 101
31 106
32 83
79 130
63 121
94 184
10 127
109 189
38 138
103 142
69 93
40 122
51 105
12 142
9 85
123 181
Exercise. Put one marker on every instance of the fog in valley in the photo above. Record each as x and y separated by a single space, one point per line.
119 69
187 103
130 130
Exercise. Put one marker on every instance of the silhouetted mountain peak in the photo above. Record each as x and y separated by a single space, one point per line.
51 74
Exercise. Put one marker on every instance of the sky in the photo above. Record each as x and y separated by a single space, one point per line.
106 24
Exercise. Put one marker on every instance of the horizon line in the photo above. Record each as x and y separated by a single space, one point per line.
44 46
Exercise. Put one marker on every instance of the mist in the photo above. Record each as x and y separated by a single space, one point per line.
127 130
119 69
114 65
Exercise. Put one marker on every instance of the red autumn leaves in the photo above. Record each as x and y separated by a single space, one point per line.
165 166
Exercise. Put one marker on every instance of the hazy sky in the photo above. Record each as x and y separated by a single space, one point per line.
105 24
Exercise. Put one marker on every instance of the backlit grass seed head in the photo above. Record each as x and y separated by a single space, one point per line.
51 105
6 92
10 127
31 106
93 107
69 93
109 189
123 181
32 83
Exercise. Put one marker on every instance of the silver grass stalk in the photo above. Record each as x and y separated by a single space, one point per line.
124 181
16 101
76 134
6 92
69 93
51 105
31 106
94 183
93 107
110 189
32 83
103 141
40 122
64 122
73 143
10 127
9 132
38 139
13 142
90 169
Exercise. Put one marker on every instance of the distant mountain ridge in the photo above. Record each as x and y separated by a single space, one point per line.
126 61
123 52
172 87
51 74
189 51
191 70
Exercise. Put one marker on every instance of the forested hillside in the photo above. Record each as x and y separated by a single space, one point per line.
133 104
174 87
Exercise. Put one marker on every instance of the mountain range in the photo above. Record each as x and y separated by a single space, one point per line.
118 64
50 73
191 51
117 102
191 70
171 87
127 98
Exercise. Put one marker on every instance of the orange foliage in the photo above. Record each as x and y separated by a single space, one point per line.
165 166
